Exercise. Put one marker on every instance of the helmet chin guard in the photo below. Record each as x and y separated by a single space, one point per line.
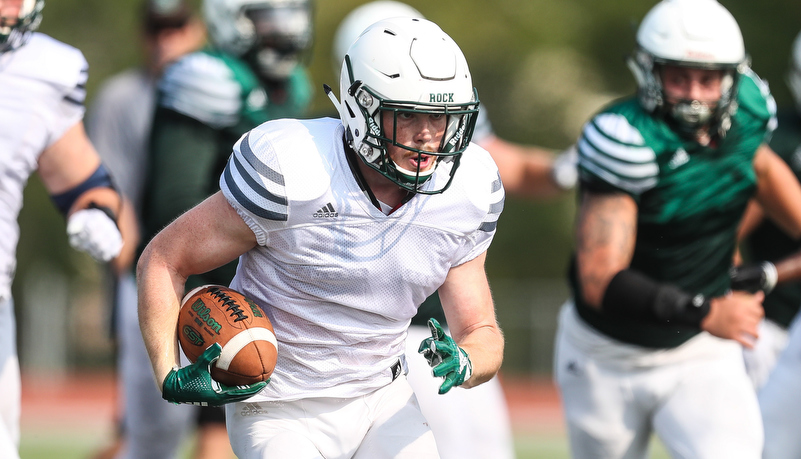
406 66
689 33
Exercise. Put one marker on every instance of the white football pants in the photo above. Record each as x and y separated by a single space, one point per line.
760 360
780 401
385 424
696 397
10 392
467 423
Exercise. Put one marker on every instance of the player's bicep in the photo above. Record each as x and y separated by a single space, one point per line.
205 237
606 231
68 161
778 190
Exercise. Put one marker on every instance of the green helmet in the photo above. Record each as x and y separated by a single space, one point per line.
15 31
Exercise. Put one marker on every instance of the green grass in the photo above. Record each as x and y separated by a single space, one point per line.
49 445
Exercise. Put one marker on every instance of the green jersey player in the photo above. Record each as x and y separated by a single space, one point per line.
651 341
251 72
209 99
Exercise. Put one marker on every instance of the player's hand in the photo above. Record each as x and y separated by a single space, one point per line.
446 359
193 384
94 232
753 278
735 316
565 169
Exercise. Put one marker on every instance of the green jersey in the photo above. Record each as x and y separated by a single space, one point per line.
690 199
206 101
768 242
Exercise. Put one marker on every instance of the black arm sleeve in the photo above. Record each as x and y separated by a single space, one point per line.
633 294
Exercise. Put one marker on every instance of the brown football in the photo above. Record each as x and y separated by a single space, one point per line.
217 314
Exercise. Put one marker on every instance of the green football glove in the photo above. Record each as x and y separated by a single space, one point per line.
193 384
447 359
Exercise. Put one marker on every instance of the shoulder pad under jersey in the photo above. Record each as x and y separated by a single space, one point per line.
50 61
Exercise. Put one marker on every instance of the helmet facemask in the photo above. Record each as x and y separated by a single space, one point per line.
273 36
698 34
686 115
14 32
282 37
460 121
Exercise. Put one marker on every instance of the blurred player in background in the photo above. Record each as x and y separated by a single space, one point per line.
251 72
42 90
766 242
777 368
119 125
474 423
410 206
651 339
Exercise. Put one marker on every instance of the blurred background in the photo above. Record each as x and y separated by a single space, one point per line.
541 68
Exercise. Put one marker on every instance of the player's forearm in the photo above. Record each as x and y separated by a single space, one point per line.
789 268
485 348
159 291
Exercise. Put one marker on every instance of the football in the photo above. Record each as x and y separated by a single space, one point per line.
217 314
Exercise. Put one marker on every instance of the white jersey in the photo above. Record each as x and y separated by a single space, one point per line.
42 90
339 279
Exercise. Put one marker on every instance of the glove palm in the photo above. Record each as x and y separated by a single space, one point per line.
194 385
445 357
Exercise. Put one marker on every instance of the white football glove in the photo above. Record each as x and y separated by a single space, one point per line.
94 232
565 169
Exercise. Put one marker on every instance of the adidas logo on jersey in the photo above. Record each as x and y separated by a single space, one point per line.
327 211
252 409
679 158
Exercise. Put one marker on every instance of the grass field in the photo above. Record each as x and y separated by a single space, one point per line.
69 446
71 418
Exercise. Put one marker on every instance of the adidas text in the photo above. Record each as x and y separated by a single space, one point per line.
327 211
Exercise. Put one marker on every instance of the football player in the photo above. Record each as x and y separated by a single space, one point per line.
343 227
651 340
776 368
252 71
471 423
42 90
118 124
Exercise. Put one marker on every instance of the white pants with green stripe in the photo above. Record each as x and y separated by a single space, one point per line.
697 397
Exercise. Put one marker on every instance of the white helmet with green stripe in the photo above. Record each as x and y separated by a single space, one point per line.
406 65
689 33
14 31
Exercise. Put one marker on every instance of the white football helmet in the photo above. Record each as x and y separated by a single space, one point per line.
689 33
362 17
15 35
794 75
406 65
272 35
